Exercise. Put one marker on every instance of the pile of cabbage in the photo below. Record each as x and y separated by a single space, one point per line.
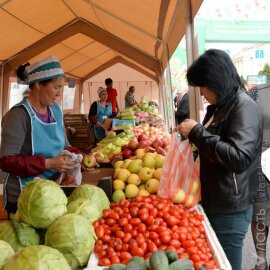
49 232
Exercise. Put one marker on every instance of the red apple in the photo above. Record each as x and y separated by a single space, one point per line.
161 151
142 145
89 161
150 149
165 142
157 143
142 137
126 153
133 143
124 147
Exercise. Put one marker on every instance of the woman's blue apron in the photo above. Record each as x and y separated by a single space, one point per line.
48 139
102 114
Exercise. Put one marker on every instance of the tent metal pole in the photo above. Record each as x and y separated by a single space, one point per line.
193 106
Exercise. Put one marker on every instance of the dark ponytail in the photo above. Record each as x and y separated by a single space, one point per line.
21 73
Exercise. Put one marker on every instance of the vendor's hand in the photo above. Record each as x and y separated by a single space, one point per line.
185 127
60 164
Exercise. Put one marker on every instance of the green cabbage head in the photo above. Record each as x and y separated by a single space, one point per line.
37 258
91 193
18 235
41 203
6 252
85 208
72 235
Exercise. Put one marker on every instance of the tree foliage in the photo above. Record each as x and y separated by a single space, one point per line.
266 71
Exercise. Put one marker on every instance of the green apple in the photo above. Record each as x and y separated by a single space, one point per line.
126 163
148 154
118 184
157 173
131 191
149 162
135 166
145 173
152 185
134 179
140 153
123 174
118 195
159 161
179 196
118 164
89 161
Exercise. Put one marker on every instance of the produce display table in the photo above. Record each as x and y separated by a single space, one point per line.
217 250
100 177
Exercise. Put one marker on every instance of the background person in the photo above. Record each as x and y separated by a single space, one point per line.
229 145
112 96
33 132
182 110
99 114
261 211
129 97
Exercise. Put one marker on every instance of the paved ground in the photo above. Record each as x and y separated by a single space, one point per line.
249 257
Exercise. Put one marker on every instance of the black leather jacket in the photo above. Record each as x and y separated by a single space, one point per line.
230 150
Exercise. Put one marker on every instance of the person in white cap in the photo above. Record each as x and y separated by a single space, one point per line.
33 131
100 114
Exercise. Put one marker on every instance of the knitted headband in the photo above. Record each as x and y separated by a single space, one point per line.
45 69
100 90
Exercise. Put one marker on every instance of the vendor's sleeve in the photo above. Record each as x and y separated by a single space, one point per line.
15 126
93 113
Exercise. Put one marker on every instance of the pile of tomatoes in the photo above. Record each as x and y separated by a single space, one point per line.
145 224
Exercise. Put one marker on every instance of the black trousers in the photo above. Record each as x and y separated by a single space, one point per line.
11 208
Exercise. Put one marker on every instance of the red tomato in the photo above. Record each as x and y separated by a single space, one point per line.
110 222
153 212
188 243
128 228
171 220
95 224
135 221
137 251
163 247
106 238
119 234
153 236
144 216
151 246
195 258
175 243
104 262
115 259
142 228
127 237
134 211
99 231
125 255
125 247
140 240
150 221
165 238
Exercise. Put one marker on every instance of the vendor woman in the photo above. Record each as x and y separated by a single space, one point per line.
33 131
100 113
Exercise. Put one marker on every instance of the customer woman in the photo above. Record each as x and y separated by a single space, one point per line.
229 145
33 131
100 114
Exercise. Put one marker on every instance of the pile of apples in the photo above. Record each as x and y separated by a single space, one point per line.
138 175
148 138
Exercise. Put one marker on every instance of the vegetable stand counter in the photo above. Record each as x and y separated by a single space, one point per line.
217 250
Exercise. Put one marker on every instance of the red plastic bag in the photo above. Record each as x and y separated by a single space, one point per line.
180 174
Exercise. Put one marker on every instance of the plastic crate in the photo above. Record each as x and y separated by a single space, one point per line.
117 122
219 254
